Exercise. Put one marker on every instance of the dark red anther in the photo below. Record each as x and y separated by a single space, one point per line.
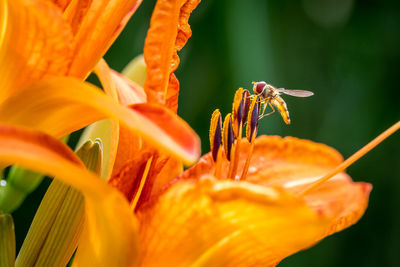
246 105
228 137
231 139
240 112
217 138
254 113
215 133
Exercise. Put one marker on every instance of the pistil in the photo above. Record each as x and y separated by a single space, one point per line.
356 156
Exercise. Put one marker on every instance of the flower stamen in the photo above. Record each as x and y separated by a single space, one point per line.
240 106
251 131
228 140
142 183
215 133
216 141
228 137
245 111
356 156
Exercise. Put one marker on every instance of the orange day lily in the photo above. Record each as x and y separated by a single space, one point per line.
203 218
290 195
43 46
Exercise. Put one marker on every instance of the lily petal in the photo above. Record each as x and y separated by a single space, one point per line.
168 33
35 43
107 130
129 92
225 223
50 104
96 24
292 164
130 143
134 182
175 128
108 240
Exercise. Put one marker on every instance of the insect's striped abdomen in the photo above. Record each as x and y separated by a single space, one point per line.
280 104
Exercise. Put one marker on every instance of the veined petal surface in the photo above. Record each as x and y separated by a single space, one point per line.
60 106
96 25
292 164
56 38
207 222
35 42
108 240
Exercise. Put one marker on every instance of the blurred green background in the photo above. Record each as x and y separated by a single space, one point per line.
345 51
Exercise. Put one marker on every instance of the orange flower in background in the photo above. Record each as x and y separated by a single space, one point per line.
168 33
57 38
42 46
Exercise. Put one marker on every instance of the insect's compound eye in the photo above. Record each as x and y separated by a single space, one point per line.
258 87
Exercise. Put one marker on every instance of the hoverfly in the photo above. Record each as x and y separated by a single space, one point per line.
270 95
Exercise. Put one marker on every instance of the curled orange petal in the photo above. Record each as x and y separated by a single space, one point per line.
125 144
175 128
50 104
130 143
108 239
168 33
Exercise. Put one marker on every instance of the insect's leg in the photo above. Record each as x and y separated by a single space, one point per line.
251 97
265 107
265 115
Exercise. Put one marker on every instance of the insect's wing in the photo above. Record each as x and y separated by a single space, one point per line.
298 93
